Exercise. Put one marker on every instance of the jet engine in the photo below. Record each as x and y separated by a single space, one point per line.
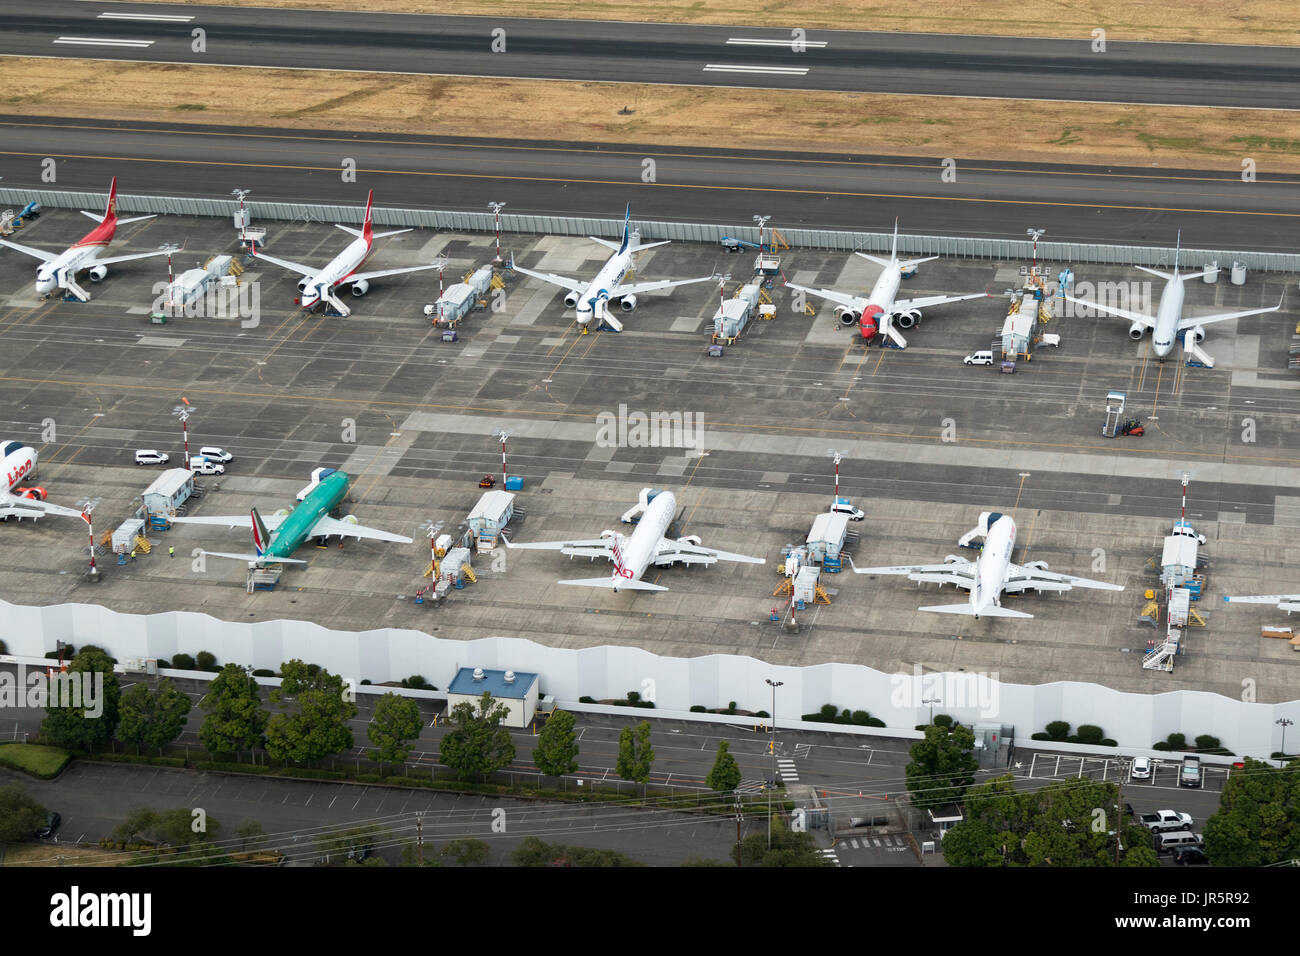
351 519
302 285
691 539
360 287
1136 331
627 303
1196 333
905 320
846 315
97 273
571 300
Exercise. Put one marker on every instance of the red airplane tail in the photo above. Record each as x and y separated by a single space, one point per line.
367 227
110 211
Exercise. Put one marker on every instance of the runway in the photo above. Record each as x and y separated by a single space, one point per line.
932 64
1140 206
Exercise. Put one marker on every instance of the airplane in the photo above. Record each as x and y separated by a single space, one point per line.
591 299
633 553
1284 602
991 574
276 538
59 270
880 310
317 285
17 462
187 288
1168 324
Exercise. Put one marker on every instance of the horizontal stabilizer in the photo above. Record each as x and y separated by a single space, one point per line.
966 609
628 584
254 558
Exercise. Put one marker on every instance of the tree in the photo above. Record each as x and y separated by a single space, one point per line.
181 837
556 752
152 718
235 719
972 843
250 833
342 845
86 724
318 726
20 815
788 848
635 755
467 852
942 766
478 743
1258 820
725 775
395 723
535 852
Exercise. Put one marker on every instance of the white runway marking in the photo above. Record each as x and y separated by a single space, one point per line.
775 70
97 41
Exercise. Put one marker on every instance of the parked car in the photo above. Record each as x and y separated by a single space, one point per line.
979 358
1192 855
51 824
213 453
150 456
1162 820
1140 769
202 466
842 506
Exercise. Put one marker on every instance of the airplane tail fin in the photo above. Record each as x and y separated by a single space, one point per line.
367 226
893 251
110 210
627 228
965 608
261 536
615 584
1178 248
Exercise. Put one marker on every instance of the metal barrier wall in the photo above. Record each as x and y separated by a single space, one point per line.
952 246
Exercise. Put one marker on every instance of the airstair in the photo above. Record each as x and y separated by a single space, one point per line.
1194 355
335 306
73 292
891 336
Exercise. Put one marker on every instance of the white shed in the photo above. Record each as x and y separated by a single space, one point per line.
168 491
492 513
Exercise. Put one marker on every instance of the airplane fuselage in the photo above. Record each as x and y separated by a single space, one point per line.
18 463
297 525
347 262
992 565
1168 314
885 291
609 277
638 549
80 255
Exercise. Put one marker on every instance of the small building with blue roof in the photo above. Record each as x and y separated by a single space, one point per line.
517 690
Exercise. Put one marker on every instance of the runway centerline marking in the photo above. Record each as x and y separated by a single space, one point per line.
767 70
102 41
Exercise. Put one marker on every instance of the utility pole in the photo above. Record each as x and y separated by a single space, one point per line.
740 816
496 208
774 684
932 701
502 435
1284 723
419 836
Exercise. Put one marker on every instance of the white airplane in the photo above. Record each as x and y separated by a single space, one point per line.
317 285
881 310
991 574
1284 602
646 546
58 270
591 299
18 462
1168 325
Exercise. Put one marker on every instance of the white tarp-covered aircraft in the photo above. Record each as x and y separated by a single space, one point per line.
990 575
646 546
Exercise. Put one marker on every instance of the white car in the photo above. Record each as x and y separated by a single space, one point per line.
1141 768
150 456
213 453
844 508
979 358
201 466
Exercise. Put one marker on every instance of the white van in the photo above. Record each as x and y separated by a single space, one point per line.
979 358
150 456
213 453
1168 842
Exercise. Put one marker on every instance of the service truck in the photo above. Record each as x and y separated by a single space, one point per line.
1162 820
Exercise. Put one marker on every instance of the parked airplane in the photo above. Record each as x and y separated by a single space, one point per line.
991 574
1168 324
58 270
276 538
881 310
188 287
18 462
646 546
591 299
317 285
1284 602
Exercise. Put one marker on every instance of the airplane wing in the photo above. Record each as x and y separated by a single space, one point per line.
929 301
305 271
948 572
30 250
1283 602
13 506
670 551
855 302
136 255
254 558
573 285
1223 317
573 547
636 288
1020 578
1144 320
386 272
333 527
233 521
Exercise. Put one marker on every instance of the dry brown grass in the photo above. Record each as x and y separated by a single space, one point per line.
1202 21
48 854
680 116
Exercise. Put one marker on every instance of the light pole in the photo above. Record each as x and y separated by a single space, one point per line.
1034 234
761 221
838 456
87 505
501 435
774 684
1284 723
183 412
932 701
496 208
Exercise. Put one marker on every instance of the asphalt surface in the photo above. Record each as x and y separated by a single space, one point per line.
1141 206
954 65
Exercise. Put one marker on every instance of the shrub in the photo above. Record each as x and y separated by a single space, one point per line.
1177 741
164 662
860 717
265 672
416 682
699 709
1090 734
875 722
1206 742
942 720
1038 736
921 726
731 706
1107 742
364 680
183 662
829 712
205 661
4 648
762 713
1161 745
633 696
584 699
1058 730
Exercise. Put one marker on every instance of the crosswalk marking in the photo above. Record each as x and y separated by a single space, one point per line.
830 855
787 769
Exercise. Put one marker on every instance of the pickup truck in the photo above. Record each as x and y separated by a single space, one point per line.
1162 820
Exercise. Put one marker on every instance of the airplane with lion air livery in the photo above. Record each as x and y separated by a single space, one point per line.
591 299
18 464
632 554
58 270
317 285
277 537
990 575
881 310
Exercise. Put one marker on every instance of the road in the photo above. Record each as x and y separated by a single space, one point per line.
950 65
861 192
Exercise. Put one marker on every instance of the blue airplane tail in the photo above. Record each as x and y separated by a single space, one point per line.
627 223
